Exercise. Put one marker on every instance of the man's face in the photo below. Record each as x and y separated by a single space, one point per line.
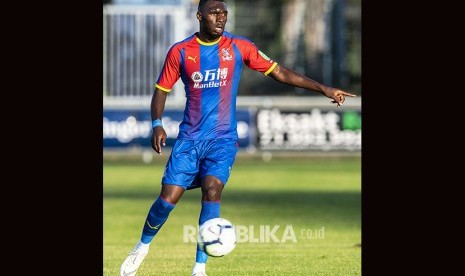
213 18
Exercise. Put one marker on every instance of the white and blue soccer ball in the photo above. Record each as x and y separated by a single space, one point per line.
217 237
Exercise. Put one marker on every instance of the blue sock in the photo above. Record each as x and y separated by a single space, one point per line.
156 217
210 209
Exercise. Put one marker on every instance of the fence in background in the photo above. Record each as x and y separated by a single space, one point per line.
137 38
135 42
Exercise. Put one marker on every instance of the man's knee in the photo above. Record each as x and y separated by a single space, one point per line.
171 193
211 189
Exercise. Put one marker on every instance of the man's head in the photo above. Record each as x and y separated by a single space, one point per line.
203 2
212 16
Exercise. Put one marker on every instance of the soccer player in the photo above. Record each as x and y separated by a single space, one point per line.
209 63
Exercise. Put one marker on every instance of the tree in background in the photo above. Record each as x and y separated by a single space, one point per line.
319 38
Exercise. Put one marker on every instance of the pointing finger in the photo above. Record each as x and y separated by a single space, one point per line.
348 94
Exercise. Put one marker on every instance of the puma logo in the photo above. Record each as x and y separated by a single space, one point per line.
192 58
153 227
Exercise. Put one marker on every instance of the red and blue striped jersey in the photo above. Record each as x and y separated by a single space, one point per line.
210 73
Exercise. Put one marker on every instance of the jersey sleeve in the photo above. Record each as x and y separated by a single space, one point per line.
256 59
170 72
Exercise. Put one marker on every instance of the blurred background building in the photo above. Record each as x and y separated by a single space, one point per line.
319 38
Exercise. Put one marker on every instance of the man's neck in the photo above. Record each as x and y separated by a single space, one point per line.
206 38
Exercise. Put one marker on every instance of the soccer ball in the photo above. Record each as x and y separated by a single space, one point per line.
217 237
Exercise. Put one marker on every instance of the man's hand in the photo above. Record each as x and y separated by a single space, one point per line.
158 138
337 95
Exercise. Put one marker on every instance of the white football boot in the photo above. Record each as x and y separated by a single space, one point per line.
133 261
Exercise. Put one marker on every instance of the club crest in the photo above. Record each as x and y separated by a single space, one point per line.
226 55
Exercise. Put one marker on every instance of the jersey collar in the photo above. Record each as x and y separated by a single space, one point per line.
208 43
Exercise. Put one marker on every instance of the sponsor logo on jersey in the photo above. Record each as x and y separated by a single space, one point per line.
197 77
210 78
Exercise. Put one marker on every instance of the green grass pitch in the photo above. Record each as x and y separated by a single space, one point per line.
311 206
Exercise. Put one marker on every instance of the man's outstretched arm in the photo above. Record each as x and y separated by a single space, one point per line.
291 77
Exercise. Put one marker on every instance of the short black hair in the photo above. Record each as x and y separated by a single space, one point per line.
202 3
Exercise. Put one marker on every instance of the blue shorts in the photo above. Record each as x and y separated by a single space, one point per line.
191 160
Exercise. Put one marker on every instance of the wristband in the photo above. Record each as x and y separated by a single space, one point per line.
156 122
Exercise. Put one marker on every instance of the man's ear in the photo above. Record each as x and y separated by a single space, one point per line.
199 16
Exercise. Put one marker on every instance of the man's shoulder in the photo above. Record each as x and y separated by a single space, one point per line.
235 37
183 42
242 42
